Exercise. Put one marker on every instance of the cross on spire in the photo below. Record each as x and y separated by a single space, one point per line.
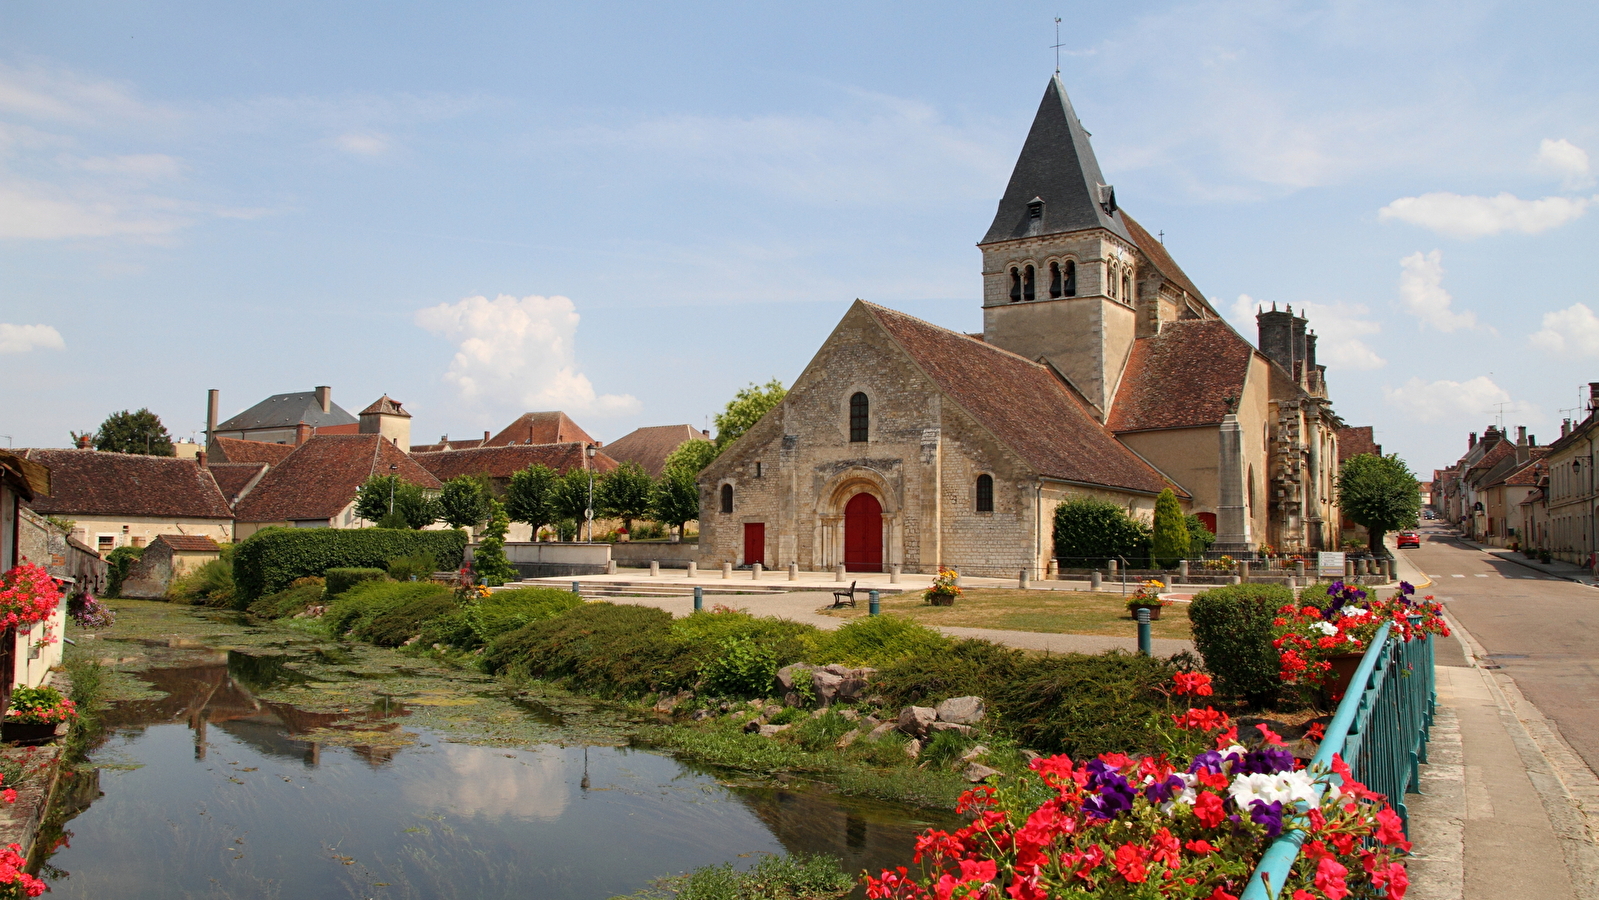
1057 45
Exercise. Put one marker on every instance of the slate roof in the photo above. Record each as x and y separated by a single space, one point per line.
239 450
448 444
1155 251
194 543
383 406
91 482
1181 377
319 479
503 462
287 411
1354 440
1022 403
1056 165
649 447
540 428
236 478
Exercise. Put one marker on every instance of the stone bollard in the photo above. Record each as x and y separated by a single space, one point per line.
957 580
1243 571
1349 570
727 571
1054 569
838 574
610 567
1234 579
793 571
693 569
1022 580
1182 570
655 568
1293 582
1299 569
1113 565
893 574
755 572
1388 570
1094 581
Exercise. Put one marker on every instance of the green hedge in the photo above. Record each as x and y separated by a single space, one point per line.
609 649
290 602
341 580
1084 705
271 559
504 611
355 609
1233 632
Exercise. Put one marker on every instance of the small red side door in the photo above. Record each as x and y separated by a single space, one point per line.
754 543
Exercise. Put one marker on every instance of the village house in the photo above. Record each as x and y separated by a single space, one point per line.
29 652
315 485
168 557
649 447
499 463
1101 371
127 499
280 418
1572 494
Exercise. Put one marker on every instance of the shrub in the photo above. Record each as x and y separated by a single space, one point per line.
355 608
1084 705
404 568
291 602
878 641
1233 632
210 584
118 561
404 621
449 630
971 667
1199 537
820 734
505 611
1089 532
272 558
609 649
341 580
741 668
706 633
488 558
1170 539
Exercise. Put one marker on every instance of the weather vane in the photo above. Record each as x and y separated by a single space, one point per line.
1057 45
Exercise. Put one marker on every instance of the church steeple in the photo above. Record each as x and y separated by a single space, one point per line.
1056 186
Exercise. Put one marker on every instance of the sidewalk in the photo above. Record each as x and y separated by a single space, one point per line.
1506 809
1557 569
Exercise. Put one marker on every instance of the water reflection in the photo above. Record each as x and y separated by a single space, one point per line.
213 792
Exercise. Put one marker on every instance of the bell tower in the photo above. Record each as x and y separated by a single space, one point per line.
1060 267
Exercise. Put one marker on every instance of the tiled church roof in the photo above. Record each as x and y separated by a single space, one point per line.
1181 377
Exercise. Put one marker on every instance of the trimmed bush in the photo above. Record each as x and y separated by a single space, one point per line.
404 568
970 668
706 633
351 611
1088 532
272 558
1233 631
210 584
878 641
341 580
404 621
302 596
609 649
505 611
1085 705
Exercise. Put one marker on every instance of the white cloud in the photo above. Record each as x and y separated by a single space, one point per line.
39 212
362 144
22 338
517 355
1340 331
1567 160
1454 401
1422 291
1461 216
144 166
1573 331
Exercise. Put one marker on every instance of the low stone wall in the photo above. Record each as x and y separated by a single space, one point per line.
548 559
639 554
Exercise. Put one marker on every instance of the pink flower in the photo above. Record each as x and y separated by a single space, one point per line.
1330 877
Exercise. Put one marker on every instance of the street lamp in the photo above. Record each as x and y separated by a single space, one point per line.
589 513
394 469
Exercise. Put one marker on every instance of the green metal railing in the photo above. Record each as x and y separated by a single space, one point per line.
1380 730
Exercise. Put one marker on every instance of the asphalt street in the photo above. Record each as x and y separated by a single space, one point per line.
1541 631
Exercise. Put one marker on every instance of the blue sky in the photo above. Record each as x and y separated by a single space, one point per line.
628 211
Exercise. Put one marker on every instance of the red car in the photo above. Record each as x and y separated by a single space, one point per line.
1409 539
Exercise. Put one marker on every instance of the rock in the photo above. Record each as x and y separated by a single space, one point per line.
977 773
974 753
841 671
792 698
771 711
914 720
701 715
724 706
818 713
913 748
854 684
792 674
849 737
881 730
849 714
669 702
1027 755
772 730
825 684
871 721
874 700
756 704
951 726
753 726
961 710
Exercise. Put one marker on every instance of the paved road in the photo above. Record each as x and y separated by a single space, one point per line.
1542 631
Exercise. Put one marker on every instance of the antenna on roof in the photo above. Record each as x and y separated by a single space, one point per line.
1057 45
1162 237
1499 414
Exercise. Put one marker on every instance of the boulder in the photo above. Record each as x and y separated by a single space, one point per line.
977 773
915 720
701 715
849 714
753 726
792 674
974 753
961 710
849 737
669 702
772 730
825 684
1027 755
950 726
881 730
913 748
771 711
855 683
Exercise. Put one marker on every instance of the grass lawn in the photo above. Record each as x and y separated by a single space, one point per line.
1055 612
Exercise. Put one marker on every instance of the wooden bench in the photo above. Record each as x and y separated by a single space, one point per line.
845 596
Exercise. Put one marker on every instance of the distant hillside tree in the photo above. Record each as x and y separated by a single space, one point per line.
745 409
134 432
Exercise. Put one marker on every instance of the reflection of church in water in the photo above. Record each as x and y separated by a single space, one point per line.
219 691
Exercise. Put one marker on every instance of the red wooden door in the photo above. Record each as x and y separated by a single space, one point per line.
754 543
863 534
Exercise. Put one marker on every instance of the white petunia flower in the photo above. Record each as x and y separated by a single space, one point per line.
1326 628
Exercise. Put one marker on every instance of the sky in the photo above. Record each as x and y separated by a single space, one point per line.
630 211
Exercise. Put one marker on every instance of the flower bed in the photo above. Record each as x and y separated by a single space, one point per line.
1310 636
27 595
1145 827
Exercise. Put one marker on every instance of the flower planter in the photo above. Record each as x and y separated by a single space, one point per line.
941 599
1343 672
28 732
1154 611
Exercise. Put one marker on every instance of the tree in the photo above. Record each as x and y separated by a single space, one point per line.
1090 532
1199 538
1379 494
624 493
1171 530
569 498
488 558
464 502
134 432
692 456
413 504
676 499
745 409
528 497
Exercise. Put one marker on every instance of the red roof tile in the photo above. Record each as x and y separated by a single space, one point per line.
1022 403
197 543
447 444
1181 377
238 450
235 478
649 447
319 479
383 406
90 482
503 462
541 428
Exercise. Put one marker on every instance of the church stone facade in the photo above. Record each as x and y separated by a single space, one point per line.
1101 371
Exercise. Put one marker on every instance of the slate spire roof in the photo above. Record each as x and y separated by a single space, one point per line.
1057 166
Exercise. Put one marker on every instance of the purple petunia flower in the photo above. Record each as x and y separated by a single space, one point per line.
1269 815
1115 796
1210 761
1164 790
1265 761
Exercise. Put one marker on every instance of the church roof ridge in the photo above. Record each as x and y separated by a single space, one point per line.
1056 166
974 339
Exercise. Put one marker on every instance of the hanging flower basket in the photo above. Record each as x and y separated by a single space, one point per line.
27 595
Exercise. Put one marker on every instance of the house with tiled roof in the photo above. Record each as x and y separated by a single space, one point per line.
286 418
649 447
239 450
498 464
315 486
237 479
127 499
1101 370
541 428
168 557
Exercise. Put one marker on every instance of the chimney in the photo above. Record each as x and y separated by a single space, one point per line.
1276 331
1523 452
705 431
1521 435
324 397
1593 395
211 398
1565 427
199 459
1471 441
84 441
485 438
302 433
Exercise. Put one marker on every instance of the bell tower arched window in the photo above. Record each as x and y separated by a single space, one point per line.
1015 285
985 493
1127 288
859 418
727 498
1029 292
1110 279
1054 280
1069 289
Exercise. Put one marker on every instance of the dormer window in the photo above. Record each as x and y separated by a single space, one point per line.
1015 285
1107 199
1035 209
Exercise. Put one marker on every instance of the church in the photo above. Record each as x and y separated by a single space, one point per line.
1101 371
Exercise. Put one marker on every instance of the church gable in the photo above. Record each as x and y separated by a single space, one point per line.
1183 377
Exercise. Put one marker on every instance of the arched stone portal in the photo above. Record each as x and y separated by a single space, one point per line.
863 534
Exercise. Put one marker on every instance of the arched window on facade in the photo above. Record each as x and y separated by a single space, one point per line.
985 493
1015 285
1069 289
727 498
1054 280
1127 288
860 417
1029 291
1110 279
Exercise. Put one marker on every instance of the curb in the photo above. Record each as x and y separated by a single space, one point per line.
1509 557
